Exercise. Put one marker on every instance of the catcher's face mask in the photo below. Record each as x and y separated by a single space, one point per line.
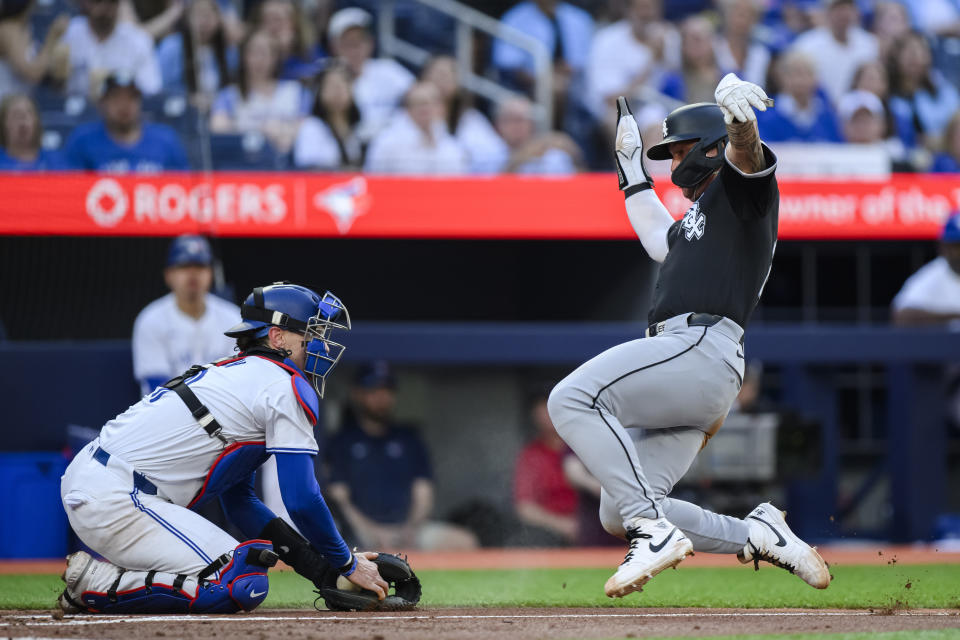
322 353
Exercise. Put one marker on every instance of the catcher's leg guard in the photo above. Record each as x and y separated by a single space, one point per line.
243 582
102 587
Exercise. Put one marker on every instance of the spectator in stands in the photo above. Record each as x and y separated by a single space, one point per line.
99 45
379 84
898 131
737 49
416 142
800 113
121 142
566 31
23 64
623 61
948 160
20 133
380 473
543 499
550 153
699 74
259 101
862 117
158 18
938 17
891 21
184 327
328 139
931 296
300 58
838 47
196 58
919 92
468 126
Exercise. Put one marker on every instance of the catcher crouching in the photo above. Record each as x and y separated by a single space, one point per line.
130 493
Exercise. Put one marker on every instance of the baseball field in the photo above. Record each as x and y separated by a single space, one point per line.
881 593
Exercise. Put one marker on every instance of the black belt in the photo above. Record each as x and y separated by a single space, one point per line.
693 320
139 480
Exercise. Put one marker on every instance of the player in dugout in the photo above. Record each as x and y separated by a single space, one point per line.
200 436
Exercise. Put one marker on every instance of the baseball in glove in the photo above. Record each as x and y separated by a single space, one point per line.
393 569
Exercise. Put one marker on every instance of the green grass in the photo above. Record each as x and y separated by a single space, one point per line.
854 587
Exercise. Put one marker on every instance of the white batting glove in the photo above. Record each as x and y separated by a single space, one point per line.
631 172
737 99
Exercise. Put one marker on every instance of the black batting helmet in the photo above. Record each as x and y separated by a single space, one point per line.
703 122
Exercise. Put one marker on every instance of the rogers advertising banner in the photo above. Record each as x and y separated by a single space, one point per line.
329 205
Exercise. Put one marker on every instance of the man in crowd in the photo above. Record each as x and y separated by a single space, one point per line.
379 84
122 142
101 44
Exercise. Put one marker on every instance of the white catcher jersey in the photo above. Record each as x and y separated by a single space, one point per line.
166 341
255 402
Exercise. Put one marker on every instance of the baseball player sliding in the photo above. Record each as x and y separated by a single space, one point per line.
201 436
638 413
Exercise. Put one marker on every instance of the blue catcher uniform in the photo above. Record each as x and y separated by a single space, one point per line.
201 436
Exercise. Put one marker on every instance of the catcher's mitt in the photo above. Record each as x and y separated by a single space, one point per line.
394 570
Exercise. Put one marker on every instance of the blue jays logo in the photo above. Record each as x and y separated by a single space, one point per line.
345 202
694 222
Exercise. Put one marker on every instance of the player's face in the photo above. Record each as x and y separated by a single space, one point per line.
378 403
189 282
295 344
951 251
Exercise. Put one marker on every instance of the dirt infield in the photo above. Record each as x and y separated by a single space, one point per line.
593 558
480 624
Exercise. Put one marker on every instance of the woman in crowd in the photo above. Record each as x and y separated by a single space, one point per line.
259 101
919 92
699 74
300 58
736 49
803 113
327 139
470 127
23 64
196 58
20 133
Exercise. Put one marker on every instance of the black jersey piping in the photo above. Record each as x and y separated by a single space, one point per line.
626 452
593 404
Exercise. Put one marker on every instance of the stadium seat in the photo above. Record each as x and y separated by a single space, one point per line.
243 152
173 109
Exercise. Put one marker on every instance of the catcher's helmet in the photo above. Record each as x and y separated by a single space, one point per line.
703 122
295 308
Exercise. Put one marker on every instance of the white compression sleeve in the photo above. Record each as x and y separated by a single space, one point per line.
650 221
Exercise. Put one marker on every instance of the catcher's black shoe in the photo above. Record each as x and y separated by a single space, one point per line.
655 545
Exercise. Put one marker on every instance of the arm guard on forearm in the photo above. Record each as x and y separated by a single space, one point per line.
294 550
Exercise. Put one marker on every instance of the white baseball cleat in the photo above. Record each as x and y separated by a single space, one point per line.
771 540
655 545
78 564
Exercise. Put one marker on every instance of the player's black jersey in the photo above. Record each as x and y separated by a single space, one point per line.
721 251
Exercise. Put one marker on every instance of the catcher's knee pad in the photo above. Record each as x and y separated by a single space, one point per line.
242 584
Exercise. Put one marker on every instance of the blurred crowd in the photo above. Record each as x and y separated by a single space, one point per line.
152 85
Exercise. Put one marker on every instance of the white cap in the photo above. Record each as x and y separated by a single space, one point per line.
347 19
855 100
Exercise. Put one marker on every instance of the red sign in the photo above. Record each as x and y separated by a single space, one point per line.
362 206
